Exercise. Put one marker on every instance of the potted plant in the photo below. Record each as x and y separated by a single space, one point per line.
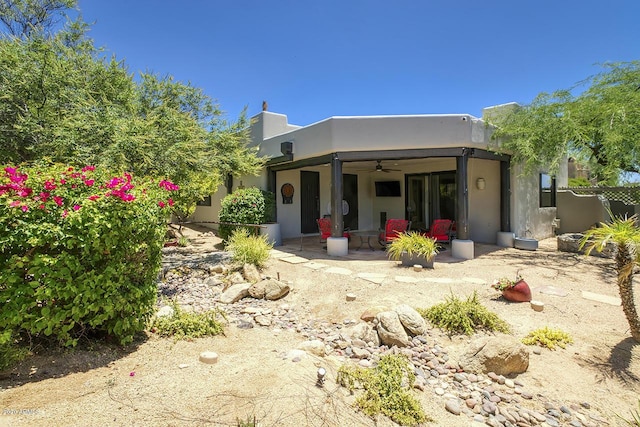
516 290
413 248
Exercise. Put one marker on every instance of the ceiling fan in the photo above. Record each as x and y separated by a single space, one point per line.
379 168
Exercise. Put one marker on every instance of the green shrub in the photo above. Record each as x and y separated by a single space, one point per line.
186 325
243 206
248 249
456 315
386 389
10 351
79 251
414 244
547 337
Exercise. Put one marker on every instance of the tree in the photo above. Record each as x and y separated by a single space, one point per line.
24 18
60 99
625 235
600 125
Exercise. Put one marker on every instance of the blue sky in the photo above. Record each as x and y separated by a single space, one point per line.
313 60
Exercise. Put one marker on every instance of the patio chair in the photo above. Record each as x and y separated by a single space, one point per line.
324 226
440 230
392 228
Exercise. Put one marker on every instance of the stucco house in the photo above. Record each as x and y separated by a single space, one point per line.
362 170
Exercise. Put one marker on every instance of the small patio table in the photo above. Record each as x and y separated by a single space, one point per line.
368 234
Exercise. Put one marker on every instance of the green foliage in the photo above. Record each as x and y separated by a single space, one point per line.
80 250
600 125
243 206
505 283
386 389
187 325
413 243
634 421
10 351
547 337
456 315
248 248
25 18
183 241
579 182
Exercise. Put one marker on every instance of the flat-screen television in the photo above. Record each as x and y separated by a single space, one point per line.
387 188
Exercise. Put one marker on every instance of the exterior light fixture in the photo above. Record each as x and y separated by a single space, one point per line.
480 183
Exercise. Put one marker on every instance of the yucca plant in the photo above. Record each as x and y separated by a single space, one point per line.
625 234
413 244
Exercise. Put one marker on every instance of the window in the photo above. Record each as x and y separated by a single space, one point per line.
204 202
547 191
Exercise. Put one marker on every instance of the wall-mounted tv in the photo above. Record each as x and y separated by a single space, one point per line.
387 188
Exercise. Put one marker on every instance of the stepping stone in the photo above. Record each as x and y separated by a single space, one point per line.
315 265
294 259
406 279
552 290
372 277
279 254
339 270
601 298
439 280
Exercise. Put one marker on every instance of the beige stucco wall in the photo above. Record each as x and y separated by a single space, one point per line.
484 205
579 213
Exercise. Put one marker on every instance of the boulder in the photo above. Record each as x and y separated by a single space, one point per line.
411 319
251 273
370 313
316 347
275 289
503 354
235 293
365 332
235 277
390 329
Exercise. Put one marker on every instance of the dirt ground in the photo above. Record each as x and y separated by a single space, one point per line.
161 382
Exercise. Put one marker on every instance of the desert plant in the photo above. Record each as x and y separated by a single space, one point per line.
248 249
188 325
505 283
183 241
386 389
634 421
625 234
547 337
456 315
413 244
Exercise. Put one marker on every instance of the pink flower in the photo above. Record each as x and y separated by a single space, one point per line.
25 192
170 201
169 186
65 213
88 168
89 182
24 208
161 204
44 196
41 206
49 185
9 170
14 204
63 181
58 200
94 197
76 207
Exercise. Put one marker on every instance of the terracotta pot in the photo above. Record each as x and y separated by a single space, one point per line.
520 292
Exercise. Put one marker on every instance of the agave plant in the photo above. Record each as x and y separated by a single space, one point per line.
624 233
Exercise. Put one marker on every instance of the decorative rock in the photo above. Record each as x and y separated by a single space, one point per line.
369 314
418 267
390 329
351 297
411 319
251 273
503 355
235 278
276 289
165 311
235 293
365 333
262 320
537 305
208 357
452 406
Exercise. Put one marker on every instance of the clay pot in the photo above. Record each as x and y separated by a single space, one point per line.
520 292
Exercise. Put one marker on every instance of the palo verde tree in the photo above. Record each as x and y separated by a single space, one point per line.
599 125
24 18
61 99
625 234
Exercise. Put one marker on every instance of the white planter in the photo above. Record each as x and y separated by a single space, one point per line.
505 239
272 231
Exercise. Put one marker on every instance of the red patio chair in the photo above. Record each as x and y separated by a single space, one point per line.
440 230
392 228
324 226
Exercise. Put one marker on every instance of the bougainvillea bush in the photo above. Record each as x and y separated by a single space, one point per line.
80 251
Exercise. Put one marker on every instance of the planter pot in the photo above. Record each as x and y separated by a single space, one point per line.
526 244
169 244
272 231
520 292
410 261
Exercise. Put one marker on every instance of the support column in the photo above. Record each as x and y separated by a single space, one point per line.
462 247
505 196
337 245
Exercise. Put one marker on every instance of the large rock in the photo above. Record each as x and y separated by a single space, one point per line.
235 293
390 329
411 319
270 289
370 313
251 273
503 354
316 347
366 333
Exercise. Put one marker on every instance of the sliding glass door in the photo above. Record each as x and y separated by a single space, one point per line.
430 196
